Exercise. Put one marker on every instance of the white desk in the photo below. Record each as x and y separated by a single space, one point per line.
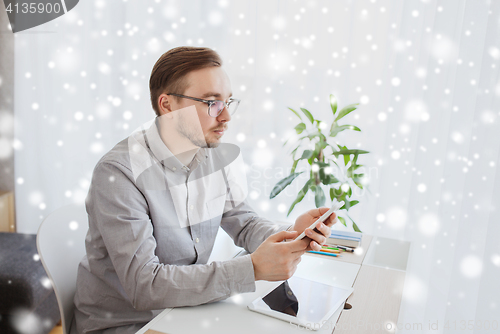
232 315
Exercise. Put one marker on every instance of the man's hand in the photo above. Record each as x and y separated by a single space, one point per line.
314 238
275 260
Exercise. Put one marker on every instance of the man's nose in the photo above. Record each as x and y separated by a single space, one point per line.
224 115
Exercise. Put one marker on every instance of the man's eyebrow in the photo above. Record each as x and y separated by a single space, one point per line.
216 95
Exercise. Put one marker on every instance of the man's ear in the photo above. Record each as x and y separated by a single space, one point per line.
164 104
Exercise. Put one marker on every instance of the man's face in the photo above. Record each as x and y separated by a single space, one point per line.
211 83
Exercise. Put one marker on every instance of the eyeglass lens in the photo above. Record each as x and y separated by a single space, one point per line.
217 107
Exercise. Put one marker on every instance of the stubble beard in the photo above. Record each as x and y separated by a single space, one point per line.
194 137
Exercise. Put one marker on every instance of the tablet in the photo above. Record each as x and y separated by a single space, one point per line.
303 302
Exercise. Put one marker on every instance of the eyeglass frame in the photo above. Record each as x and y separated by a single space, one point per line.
210 103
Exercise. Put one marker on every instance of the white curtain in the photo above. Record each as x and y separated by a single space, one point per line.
425 72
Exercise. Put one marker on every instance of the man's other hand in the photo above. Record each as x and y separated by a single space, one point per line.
314 238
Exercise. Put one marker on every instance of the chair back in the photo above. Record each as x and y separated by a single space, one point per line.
61 246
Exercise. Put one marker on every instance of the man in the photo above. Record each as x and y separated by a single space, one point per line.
156 202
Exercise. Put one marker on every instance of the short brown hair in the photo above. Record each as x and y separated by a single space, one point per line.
168 74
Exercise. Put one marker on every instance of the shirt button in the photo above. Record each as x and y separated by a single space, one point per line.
197 240
174 169
191 207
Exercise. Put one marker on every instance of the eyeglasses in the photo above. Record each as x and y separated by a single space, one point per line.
215 107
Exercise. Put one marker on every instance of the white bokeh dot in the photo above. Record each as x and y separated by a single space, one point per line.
215 18
416 111
421 188
382 116
240 137
78 115
457 137
429 224
395 81
495 259
96 147
73 225
127 115
396 218
281 207
471 266
46 283
35 198
415 291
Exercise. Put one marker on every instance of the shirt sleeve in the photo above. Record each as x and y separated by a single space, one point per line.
247 229
119 212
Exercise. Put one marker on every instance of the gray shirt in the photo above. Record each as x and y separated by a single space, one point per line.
152 226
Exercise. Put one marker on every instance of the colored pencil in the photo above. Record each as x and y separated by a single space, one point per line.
329 250
323 253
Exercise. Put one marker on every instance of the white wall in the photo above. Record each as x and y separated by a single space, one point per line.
426 73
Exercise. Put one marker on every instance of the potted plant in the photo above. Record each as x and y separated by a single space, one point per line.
322 159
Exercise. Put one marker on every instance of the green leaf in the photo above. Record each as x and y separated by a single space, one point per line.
352 168
282 184
342 220
346 110
300 196
306 154
294 150
325 178
300 127
296 113
349 151
295 162
333 103
359 184
349 204
308 115
336 129
357 180
322 141
355 227
347 158
337 193
319 197
355 160
330 179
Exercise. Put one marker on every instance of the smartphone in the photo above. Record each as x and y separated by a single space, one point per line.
335 206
